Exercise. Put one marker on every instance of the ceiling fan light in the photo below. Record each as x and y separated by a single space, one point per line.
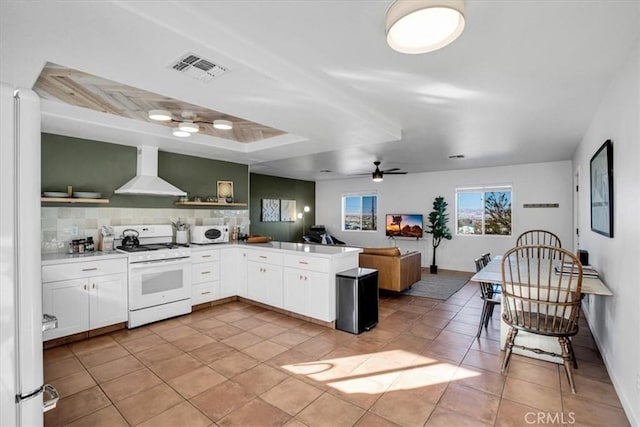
180 133
377 176
161 115
188 126
420 26
222 124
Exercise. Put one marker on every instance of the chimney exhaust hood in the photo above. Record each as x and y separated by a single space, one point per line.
146 181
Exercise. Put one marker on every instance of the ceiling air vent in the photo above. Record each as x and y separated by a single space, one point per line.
197 67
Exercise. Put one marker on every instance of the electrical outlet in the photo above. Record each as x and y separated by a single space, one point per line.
74 230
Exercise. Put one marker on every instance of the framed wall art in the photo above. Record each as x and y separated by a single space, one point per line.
225 189
601 167
287 210
270 211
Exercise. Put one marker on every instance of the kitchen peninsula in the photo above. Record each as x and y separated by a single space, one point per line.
295 278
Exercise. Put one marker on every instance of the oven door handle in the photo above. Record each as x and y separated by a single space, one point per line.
163 262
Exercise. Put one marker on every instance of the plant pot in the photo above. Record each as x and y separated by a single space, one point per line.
433 269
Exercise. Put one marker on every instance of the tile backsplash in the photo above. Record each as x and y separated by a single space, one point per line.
61 224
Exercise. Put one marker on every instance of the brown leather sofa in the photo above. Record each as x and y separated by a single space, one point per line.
396 271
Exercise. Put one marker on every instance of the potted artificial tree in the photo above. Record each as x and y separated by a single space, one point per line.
438 219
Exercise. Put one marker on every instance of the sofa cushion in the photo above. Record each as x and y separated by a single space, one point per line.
382 251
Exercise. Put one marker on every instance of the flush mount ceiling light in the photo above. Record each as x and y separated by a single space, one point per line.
222 124
420 26
188 124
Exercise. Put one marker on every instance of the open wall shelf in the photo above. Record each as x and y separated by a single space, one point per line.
237 205
72 200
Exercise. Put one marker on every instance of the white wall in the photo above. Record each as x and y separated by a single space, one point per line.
614 320
414 193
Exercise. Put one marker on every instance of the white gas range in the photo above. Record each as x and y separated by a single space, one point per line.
159 273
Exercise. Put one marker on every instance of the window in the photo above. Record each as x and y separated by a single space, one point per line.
483 210
360 212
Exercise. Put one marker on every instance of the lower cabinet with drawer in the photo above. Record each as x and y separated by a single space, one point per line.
205 276
84 295
307 288
264 271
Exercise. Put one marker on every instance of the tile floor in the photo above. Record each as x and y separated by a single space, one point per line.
238 364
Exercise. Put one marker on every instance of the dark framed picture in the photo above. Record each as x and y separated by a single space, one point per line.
601 168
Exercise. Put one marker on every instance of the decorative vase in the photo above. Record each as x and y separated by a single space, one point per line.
181 237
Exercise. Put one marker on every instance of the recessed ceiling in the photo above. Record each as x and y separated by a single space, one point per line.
520 85
74 87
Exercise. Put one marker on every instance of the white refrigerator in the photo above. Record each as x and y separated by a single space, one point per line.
24 397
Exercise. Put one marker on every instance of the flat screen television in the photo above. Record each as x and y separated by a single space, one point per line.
404 225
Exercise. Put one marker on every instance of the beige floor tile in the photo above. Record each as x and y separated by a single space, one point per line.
589 388
74 383
268 330
222 332
176 366
148 403
56 354
424 331
115 368
212 352
138 344
76 406
233 364
546 375
130 384
91 344
291 395
259 379
370 419
106 417
264 350
207 324
183 414
406 406
480 359
543 398
289 338
220 400
443 418
248 323
480 379
242 340
192 383
192 342
255 413
512 414
232 316
470 402
360 391
126 335
62 368
158 353
102 355
589 413
176 333
330 411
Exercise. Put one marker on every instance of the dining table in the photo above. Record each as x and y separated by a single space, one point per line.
492 273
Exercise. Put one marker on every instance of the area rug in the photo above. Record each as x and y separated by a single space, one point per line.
436 287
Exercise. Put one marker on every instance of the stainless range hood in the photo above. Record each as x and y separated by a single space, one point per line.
146 181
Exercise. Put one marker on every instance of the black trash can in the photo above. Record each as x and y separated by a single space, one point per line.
357 300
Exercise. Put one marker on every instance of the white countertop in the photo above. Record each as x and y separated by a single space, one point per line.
302 248
56 258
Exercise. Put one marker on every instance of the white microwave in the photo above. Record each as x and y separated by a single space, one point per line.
205 234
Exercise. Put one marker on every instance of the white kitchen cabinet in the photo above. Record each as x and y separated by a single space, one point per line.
84 295
233 272
307 288
265 282
205 276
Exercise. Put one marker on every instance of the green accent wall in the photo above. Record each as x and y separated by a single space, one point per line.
103 167
273 187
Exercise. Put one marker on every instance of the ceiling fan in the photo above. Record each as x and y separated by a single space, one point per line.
378 174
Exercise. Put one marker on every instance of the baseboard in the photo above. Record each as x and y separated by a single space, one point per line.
627 404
